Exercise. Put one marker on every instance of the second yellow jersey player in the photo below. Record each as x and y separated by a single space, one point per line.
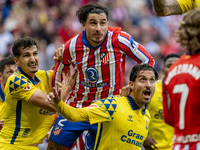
161 132
118 118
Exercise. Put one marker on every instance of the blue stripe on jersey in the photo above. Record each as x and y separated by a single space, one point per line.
17 121
99 136
2 94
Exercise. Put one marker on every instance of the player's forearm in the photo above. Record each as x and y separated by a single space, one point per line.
65 92
167 7
70 113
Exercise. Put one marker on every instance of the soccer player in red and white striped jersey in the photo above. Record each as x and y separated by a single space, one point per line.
181 87
99 54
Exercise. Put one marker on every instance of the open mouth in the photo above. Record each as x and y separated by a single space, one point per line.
147 93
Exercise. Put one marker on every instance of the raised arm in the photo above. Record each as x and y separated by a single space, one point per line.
167 7
39 99
54 98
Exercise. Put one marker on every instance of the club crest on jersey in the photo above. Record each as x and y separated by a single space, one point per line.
105 57
27 87
57 130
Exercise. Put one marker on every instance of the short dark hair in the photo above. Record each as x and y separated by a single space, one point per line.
7 61
84 11
141 67
22 43
170 56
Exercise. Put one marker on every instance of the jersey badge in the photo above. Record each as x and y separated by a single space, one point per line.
57 130
105 57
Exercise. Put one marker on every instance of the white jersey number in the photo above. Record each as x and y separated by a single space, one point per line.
184 90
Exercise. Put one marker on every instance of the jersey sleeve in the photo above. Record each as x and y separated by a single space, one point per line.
186 5
99 111
61 65
167 110
20 88
134 50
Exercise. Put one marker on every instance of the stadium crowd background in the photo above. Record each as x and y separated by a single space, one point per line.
52 22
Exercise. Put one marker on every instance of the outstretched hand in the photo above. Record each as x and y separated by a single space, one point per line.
66 86
58 54
68 80
54 97
125 91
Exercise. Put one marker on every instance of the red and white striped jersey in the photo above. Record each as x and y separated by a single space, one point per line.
181 93
100 69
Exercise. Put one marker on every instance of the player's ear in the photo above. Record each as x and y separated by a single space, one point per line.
131 84
1 77
83 24
16 60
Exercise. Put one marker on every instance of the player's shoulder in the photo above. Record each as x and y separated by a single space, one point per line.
147 113
16 76
17 81
41 73
109 100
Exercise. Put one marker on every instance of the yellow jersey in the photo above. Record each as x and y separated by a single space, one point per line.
161 132
121 123
187 5
24 123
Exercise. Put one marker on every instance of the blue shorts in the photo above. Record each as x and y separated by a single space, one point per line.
65 132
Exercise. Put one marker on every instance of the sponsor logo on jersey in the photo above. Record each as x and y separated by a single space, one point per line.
26 132
46 112
133 138
57 130
27 87
130 118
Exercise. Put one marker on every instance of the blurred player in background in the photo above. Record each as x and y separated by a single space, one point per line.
160 133
7 68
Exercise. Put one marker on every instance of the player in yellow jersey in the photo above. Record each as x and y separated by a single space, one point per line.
7 68
160 133
174 7
28 117
122 120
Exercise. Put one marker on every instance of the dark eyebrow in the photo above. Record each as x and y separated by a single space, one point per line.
95 19
25 53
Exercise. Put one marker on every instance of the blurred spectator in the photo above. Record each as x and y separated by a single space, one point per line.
6 38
